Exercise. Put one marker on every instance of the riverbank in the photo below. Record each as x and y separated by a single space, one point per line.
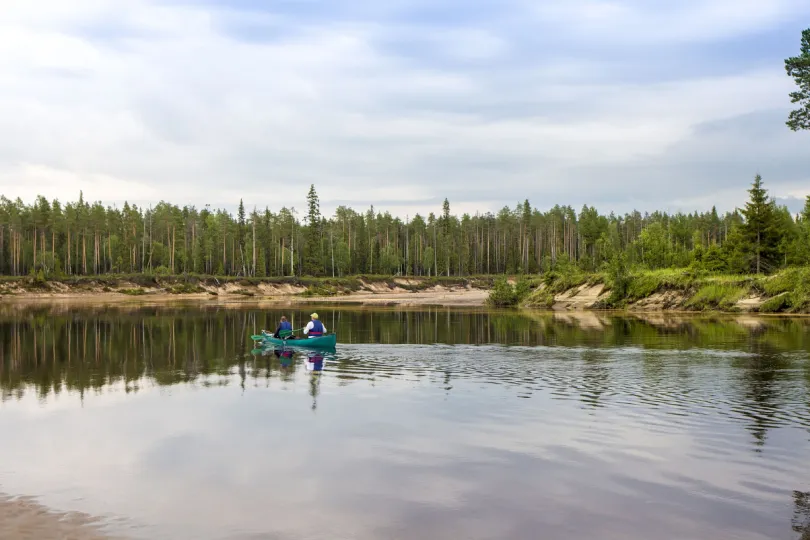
642 291
674 290
23 518
357 290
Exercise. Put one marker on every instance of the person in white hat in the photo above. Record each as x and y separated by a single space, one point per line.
315 327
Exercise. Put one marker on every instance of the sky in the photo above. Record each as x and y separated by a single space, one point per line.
622 105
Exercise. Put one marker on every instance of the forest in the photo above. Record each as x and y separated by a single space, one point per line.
55 239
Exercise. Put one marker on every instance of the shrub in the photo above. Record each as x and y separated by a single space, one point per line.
717 296
320 290
777 304
185 288
540 298
133 292
503 294
787 281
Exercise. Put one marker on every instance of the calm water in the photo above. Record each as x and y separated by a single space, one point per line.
422 425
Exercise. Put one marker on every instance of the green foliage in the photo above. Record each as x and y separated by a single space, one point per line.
655 247
798 67
566 276
540 297
185 288
618 280
133 292
321 290
38 279
777 304
786 281
790 291
643 284
427 261
761 230
314 250
717 295
504 294
714 260
82 239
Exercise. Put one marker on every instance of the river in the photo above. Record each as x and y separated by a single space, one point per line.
165 423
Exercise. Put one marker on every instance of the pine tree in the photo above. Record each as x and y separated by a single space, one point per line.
798 67
312 261
241 231
760 230
446 234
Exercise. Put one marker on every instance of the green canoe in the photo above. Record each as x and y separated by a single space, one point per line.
323 342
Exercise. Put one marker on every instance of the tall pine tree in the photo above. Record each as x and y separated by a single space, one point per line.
241 228
760 229
313 259
798 67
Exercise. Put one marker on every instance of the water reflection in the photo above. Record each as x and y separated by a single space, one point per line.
55 348
801 514
432 426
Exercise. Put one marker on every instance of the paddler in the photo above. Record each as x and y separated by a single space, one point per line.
314 328
283 326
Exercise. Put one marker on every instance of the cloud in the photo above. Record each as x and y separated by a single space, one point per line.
644 21
407 103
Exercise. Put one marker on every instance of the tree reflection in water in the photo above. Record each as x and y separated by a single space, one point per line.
801 514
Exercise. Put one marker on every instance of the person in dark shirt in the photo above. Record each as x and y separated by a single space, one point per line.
284 329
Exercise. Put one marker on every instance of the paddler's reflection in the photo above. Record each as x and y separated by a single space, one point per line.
314 361
285 357
314 364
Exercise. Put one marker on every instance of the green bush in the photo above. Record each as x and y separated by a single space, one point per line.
504 294
320 290
788 280
558 282
133 292
717 296
777 304
185 288
540 298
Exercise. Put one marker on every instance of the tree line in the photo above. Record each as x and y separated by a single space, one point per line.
49 238
79 238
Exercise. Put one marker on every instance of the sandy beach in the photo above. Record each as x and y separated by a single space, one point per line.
399 292
23 518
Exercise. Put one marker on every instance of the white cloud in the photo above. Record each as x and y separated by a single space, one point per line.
177 108
635 21
27 181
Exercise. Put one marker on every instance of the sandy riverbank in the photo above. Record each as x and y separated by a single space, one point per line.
356 291
651 292
23 518
472 298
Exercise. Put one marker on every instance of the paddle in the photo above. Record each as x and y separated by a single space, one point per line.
284 334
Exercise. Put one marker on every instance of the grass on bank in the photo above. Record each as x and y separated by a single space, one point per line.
785 292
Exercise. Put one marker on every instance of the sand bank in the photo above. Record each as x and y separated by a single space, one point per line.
23 518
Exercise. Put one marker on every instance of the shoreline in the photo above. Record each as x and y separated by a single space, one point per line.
458 299
363 302
356 290
582 295
24 518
